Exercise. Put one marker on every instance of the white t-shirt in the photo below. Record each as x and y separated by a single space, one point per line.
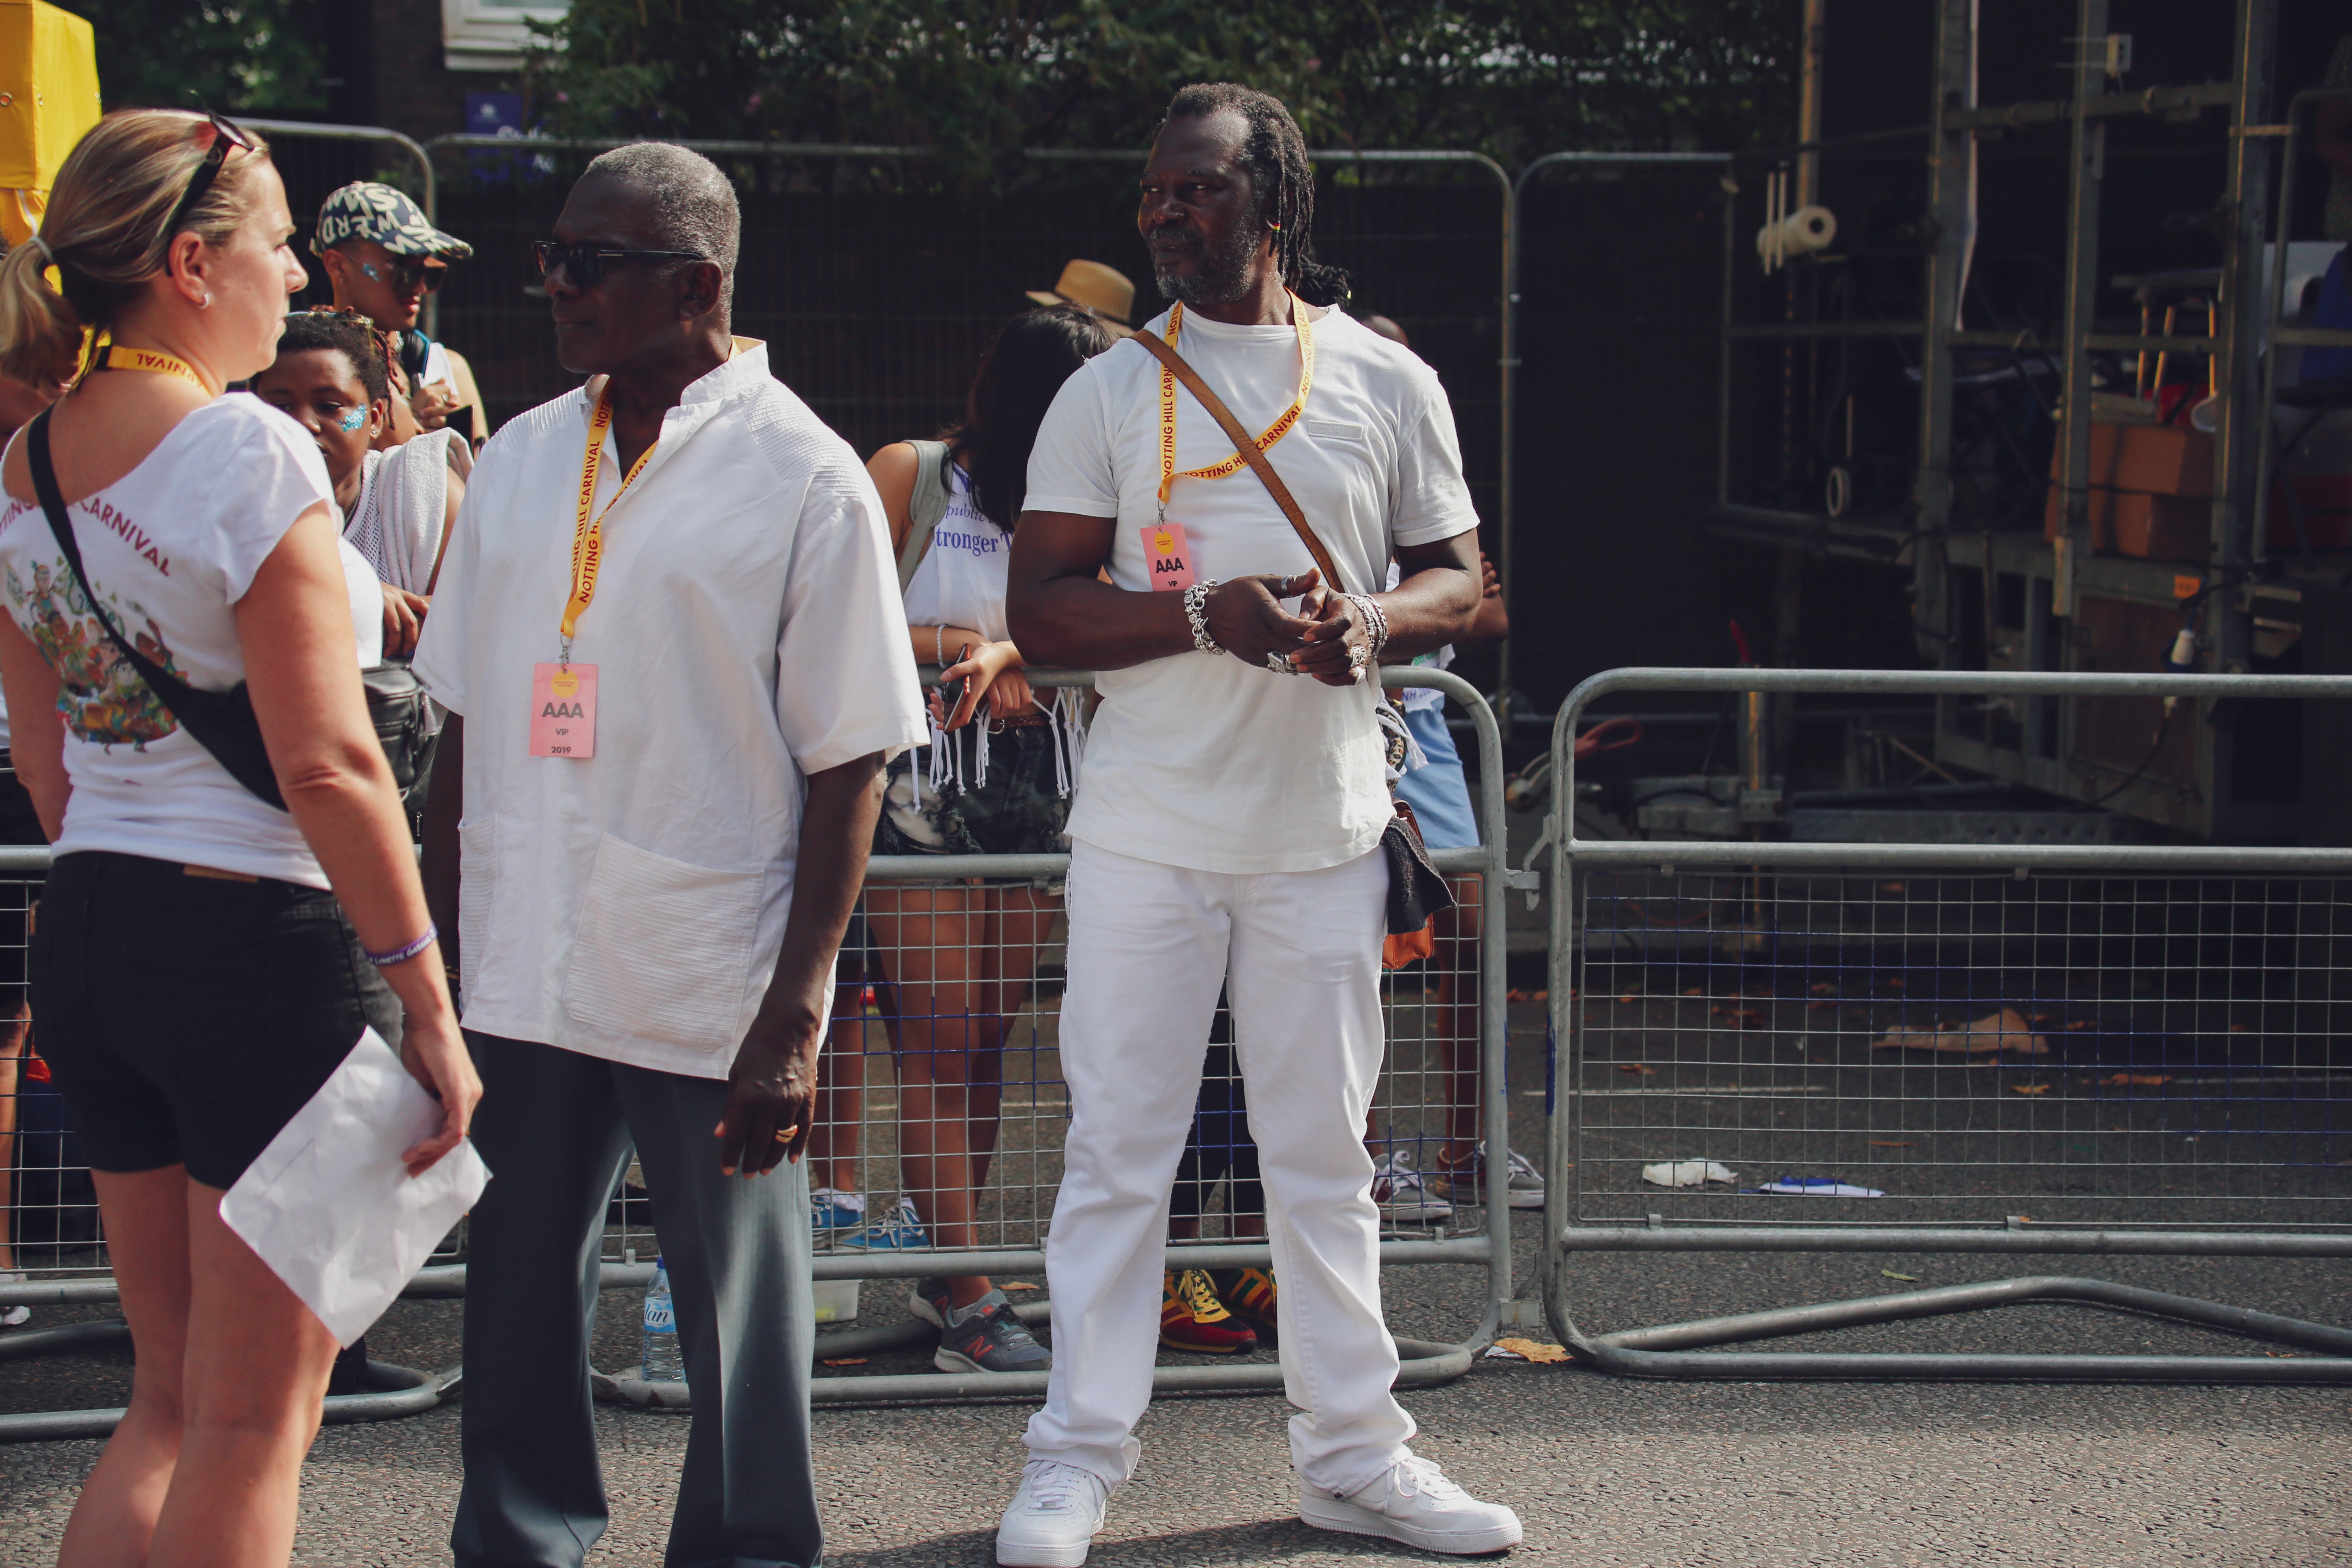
1198 760
170 548
746 632
961 581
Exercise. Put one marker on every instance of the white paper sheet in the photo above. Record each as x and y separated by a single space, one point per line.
330 1208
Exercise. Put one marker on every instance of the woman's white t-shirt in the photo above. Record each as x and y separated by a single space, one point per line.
170 548
1202 760
961 581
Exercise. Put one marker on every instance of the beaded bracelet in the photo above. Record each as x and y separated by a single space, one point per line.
1196 599
402 954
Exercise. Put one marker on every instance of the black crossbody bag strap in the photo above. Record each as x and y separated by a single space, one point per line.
223 722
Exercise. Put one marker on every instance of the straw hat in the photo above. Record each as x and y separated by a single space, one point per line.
1102 289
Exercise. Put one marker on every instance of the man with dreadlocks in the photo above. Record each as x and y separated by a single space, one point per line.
1230 809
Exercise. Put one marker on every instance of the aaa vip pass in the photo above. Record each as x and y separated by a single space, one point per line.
564 710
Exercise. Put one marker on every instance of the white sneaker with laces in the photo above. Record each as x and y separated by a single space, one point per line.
1416 1504
1052 1518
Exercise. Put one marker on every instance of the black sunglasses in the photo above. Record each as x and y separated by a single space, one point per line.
225 136
409 271
585 263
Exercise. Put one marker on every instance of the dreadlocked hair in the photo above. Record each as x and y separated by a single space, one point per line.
1275 153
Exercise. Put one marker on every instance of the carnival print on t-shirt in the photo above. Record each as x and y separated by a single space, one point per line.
99 692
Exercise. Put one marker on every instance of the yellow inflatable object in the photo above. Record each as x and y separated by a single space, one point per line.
48 97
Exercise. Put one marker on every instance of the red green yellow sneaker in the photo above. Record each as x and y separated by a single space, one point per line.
1193 1319
1248 1294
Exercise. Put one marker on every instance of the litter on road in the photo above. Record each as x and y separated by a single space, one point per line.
1816 1187
1687 1173
2006 1030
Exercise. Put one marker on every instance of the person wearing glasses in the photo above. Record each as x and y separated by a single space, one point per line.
382 256
668 636
233 901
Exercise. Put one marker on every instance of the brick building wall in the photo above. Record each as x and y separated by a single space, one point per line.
414 91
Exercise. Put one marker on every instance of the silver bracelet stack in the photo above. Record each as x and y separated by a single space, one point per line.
1376 622
1196 601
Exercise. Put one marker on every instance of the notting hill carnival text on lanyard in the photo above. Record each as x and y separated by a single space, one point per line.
563 694
1167 555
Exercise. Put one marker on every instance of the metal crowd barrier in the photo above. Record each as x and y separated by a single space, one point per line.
2034 1047
863 1139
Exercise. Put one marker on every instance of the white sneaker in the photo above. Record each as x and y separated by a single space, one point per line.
13 1317
1404 1195
1416 1504
1054 1517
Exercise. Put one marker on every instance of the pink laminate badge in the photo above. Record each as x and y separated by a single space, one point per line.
1166 556
564 710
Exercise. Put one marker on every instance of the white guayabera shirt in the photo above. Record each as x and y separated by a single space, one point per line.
746 631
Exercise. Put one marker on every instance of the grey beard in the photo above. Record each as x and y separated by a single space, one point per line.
1223 275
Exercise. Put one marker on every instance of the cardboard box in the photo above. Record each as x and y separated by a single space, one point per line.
2180 528
2151 527
2154 459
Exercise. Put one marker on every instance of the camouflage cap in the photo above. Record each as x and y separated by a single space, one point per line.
365 210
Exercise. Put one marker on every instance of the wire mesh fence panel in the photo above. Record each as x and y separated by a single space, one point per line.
49 1208
942 1108
1902 1048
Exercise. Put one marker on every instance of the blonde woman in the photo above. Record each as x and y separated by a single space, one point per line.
205 956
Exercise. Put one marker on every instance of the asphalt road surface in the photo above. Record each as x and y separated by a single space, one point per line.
1604 1472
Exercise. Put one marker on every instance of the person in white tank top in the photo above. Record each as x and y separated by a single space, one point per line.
997 781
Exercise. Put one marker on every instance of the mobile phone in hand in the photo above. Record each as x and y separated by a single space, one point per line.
951 692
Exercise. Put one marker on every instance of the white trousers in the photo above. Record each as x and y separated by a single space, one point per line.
1150 945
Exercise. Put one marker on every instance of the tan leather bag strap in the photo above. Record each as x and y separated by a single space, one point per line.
1248 448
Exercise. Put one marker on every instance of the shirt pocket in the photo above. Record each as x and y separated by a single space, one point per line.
477 871
664 949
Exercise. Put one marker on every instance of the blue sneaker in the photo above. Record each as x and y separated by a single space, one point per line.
901 1231
831 1209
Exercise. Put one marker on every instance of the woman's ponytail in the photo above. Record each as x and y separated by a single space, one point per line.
40 335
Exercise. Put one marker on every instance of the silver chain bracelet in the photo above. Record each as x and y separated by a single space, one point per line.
1375 620
1196 600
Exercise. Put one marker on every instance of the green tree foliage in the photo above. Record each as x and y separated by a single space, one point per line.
249 56
981 77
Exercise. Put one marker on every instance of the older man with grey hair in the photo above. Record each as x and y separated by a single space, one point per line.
669 637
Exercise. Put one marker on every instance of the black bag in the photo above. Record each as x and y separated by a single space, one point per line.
1417 891
223 722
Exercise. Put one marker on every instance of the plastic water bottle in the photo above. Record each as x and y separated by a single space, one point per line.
663 1363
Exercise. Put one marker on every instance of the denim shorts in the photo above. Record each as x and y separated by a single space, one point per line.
186 1018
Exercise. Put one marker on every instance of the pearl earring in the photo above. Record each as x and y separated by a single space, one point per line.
205 303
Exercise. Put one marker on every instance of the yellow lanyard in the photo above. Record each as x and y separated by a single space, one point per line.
121 356
1273 433
588 543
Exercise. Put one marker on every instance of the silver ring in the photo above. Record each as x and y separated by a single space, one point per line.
1280 665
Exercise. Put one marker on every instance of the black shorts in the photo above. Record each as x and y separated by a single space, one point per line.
186 1018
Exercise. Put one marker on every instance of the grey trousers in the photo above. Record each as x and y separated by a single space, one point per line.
554 1128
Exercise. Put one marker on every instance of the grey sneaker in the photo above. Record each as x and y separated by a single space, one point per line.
1404 1195
987 1337
1466 1183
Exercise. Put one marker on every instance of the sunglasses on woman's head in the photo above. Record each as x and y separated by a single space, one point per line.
584 264
225 136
